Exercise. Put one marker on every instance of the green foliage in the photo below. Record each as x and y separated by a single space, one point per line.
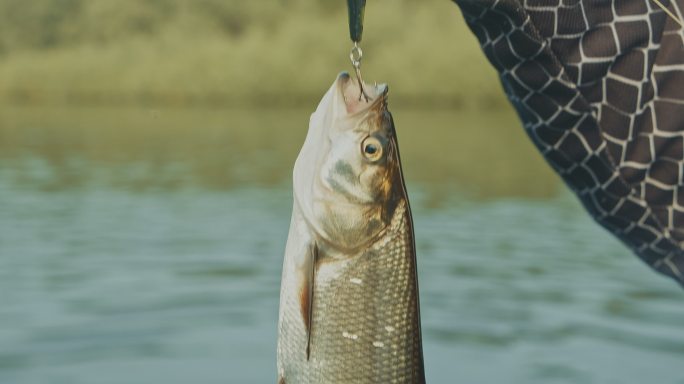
233 52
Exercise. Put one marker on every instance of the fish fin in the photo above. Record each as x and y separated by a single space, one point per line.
306 293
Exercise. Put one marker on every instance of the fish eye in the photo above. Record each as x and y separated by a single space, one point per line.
371 148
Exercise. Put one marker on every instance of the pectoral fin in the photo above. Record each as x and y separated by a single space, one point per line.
306 291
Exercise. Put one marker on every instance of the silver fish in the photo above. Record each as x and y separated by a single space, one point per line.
349 310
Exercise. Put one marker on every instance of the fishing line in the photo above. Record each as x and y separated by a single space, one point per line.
669 13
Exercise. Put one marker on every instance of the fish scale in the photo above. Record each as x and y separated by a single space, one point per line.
366 326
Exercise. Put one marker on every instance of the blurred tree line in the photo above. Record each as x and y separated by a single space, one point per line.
41 24
233 52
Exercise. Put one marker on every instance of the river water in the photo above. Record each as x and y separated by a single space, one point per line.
145 246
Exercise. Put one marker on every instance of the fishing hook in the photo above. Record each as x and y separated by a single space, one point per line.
356 11
356 55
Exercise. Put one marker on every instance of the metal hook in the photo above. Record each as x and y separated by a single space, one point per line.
356 55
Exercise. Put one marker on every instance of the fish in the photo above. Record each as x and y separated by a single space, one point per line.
349 303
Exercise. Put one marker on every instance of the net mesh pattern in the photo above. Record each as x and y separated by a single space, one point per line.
599 86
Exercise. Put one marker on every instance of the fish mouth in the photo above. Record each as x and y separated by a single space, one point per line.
353 98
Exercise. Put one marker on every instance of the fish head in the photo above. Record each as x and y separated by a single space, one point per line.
345 178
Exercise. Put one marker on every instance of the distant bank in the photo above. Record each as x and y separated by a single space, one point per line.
233 53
